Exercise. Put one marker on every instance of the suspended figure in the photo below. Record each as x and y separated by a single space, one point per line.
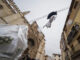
51 16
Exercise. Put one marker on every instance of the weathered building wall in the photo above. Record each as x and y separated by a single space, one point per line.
41 51
10 13
36 42
71 33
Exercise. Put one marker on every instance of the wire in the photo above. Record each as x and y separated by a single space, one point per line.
47 15
39 18
63 9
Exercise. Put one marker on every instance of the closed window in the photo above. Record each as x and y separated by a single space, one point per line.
75 5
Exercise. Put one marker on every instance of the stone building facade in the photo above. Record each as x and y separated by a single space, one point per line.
36 42
10 14
70 39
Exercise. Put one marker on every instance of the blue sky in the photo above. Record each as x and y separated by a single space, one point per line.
39 8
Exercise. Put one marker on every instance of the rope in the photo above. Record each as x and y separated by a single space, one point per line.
63 9
47 14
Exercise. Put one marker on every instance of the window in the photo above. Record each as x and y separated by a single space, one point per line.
59 55
75 5
31 42
78 39
1 7
72 47
69 22
67 57
73 33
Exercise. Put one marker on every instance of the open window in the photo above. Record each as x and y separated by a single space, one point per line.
31 42
1 7
76 4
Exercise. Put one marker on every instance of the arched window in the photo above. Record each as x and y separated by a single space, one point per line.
31 41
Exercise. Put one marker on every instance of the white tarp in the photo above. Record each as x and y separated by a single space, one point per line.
16 37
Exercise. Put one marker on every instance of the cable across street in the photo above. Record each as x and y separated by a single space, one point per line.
36 19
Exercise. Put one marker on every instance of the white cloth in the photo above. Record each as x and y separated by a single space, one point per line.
48 25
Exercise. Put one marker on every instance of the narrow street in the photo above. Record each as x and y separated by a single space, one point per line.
39 30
